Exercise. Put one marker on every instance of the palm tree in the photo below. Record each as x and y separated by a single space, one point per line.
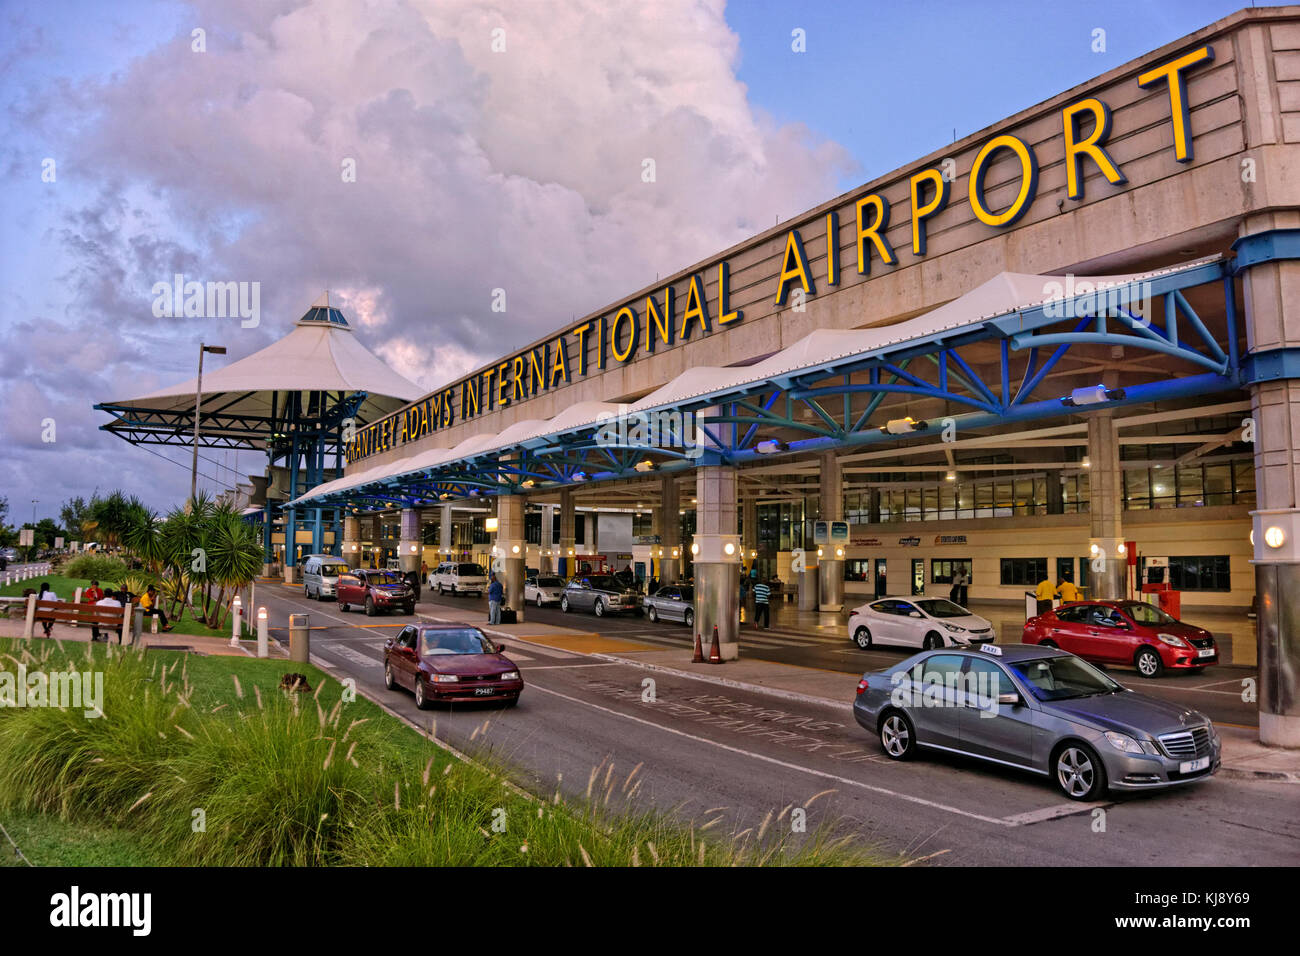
234 558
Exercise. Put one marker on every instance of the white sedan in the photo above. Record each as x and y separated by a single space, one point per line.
917 622
543 590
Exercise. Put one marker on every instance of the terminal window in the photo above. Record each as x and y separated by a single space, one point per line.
1023 571
1204 573
942 569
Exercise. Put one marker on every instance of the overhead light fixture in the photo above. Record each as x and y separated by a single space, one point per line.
771 447
902 426
951 476
578 476
475 493
645 464
1087 462
491 524
527 483
1093 395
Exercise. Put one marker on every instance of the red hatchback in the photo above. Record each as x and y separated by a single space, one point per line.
1124 632
455 663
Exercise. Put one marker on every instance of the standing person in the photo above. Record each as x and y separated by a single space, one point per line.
153 607
105 600
1069 593
959 581
46 593
1045 591
762 604
495 595
424 570
652 585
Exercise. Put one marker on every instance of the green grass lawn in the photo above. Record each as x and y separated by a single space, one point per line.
319 779
66 589
45 840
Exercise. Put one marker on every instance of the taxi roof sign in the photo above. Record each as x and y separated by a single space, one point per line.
991 649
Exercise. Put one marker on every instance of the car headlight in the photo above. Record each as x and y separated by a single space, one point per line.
445 678
1173 640
510 675
954 627
1123 742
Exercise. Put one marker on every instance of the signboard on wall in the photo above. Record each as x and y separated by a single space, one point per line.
910 542
27 537
821 532
949 539
839 532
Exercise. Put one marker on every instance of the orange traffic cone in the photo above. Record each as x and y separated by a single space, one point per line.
715 652
699 651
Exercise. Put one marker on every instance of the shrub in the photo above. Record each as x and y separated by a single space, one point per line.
94 567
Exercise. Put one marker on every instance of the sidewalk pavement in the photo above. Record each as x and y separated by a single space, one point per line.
194 643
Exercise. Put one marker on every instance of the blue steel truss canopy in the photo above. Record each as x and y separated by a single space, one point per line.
982 360
314 377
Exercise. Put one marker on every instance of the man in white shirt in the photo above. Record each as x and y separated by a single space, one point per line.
108 600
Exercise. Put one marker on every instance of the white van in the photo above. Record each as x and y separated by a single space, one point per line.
459 577
320 575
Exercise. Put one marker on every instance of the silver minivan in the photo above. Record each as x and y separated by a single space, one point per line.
320 575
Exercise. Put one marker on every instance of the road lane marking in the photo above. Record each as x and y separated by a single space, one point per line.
575 664
783 763
1053 813
351 654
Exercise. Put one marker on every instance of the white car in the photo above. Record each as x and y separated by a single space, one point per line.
459 577
917 622
544 589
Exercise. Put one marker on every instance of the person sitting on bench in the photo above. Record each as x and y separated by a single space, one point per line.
108 600
153 608
46 593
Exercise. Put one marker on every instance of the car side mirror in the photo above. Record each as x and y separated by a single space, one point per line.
913 613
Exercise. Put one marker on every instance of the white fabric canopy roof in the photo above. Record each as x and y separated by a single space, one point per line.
1002 295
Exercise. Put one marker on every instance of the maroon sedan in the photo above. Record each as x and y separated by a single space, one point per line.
1124 632
375 591
455 663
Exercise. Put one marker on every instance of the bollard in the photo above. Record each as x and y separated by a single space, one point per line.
236 621
76 599
30 627
137 624
299 645
263 641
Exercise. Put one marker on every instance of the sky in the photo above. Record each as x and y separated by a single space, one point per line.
413 157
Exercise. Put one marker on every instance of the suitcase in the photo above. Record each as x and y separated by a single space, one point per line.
508 616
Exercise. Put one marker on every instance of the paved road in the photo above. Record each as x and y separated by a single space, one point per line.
1216 692
707 752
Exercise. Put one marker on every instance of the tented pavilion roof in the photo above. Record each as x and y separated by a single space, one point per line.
318 367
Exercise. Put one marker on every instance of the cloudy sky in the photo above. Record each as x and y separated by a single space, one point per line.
495 145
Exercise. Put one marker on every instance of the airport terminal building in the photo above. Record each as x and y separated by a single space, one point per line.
1067 345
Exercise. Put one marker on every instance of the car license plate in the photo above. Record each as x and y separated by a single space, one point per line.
484 691
1205 652
1191 766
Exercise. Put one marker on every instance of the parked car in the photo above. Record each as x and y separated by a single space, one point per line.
543 589
459 577
916 622
600 594
450 663
320 575
375 591
12 555
1124 632
672 602
1038 709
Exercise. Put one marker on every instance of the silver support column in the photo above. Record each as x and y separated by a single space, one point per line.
831 576
408 546
351 542
715 551
1272 318
670 530
566 548
510 544
1107 569
546 559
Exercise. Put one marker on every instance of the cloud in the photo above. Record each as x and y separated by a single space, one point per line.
476 169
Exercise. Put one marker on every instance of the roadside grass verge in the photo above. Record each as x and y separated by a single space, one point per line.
47 840
206 761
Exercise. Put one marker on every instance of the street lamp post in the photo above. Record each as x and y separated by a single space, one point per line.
198 401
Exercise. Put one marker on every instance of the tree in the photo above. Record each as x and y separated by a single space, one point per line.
75 515
8 536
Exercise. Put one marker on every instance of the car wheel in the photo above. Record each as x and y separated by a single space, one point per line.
453 590
370 607
898 736
1079 772
651 613
600 607
932 642
862 638
512 702
389 683
420 701
540 602
343 606
409 608
564 604
440 590
689 618
1148 663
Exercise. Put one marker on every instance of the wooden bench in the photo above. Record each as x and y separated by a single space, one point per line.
67 612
